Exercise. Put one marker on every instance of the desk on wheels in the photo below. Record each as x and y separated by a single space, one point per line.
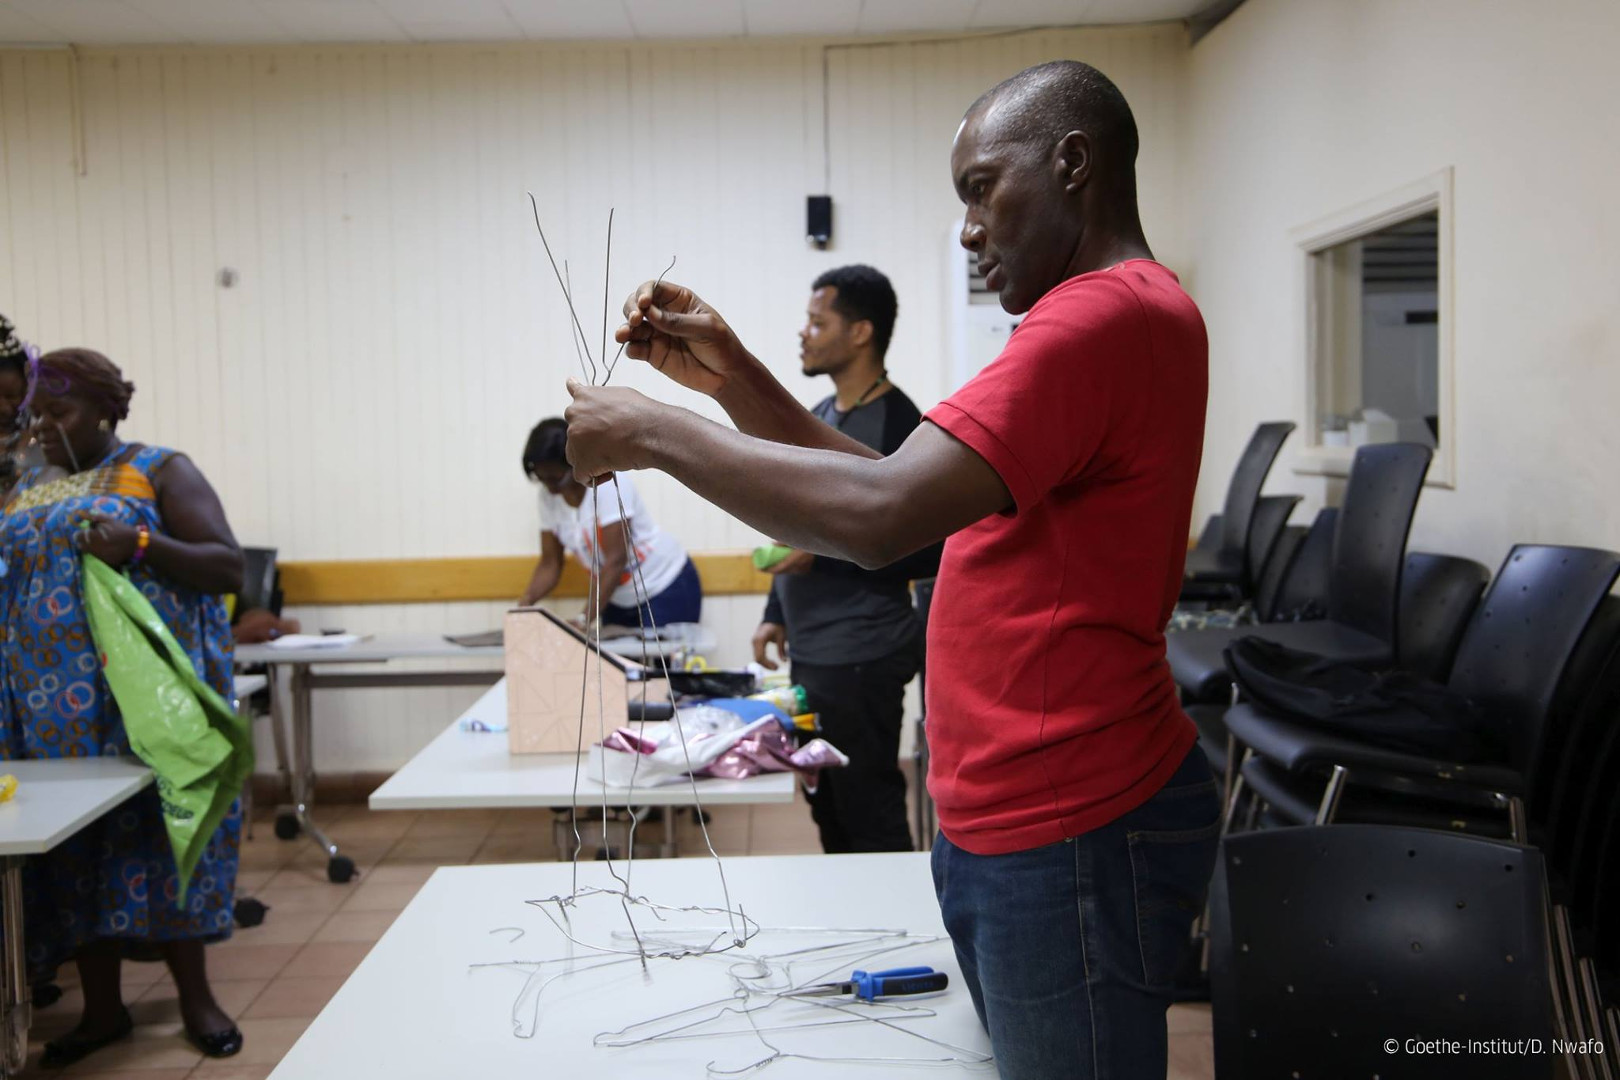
54 800
464 770
291 716
417 1008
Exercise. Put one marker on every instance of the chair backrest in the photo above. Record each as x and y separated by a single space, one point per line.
1438 597
1278 562
1305 585
1326 942
922 593
1209 537
258 580
1270 518
1369 547
1587 770
1247 479
1522 636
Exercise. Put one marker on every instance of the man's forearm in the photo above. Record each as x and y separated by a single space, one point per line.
818 499
762 407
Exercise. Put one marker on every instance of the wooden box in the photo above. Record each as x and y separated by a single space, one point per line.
551 670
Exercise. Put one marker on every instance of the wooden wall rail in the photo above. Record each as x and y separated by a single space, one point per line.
417 581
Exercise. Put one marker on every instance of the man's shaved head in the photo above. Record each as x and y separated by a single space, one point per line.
1040 105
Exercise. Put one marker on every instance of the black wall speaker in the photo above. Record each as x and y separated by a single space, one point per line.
818 220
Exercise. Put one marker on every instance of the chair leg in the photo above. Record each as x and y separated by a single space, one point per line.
1235 795
1591 1007
1516 820
1558 962
1611 1021
1329 808
1567 989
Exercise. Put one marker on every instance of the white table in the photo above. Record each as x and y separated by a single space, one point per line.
302 682
416 1008
469 770
54 800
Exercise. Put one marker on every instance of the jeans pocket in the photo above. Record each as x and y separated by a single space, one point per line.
1170 871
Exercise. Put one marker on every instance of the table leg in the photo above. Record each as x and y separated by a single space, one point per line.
339 868
16 1009
669 848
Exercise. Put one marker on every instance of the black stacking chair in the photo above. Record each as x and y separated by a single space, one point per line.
1369 548
1511 663
1226 563
1327 943
1438 597
260 581
1271 514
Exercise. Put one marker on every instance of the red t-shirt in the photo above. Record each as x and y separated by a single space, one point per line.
1051 710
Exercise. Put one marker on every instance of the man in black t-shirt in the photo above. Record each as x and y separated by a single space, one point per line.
853 634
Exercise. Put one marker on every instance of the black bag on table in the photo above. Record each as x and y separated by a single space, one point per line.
1393 709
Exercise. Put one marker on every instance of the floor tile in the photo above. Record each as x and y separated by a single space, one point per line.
154 1046
331 959
373 895
1192 1057
365 926
279 928
294 998
249 961
161 1004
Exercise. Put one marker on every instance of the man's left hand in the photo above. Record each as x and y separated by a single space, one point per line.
607 429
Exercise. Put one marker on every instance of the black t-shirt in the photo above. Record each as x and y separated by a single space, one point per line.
838 613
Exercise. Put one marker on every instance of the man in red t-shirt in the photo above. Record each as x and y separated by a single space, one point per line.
1078 818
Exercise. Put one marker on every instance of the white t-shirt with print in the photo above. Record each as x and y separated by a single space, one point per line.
659 555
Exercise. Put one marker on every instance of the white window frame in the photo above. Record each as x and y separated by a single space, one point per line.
1432 192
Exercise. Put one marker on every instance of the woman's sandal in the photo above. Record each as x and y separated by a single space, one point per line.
72 1047
218 1044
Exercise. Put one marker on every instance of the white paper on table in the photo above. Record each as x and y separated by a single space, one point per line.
315 641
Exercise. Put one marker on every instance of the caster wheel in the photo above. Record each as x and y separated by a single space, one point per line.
287 827
249 912
340 870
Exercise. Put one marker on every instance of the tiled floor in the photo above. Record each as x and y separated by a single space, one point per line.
276 977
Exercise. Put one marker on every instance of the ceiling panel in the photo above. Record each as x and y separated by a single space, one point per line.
830 18
994 14
213 20
544 20
461 20
929 16
686 18
1143 11
20 29
98 22
330 20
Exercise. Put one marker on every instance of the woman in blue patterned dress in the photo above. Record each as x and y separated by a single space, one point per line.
151 512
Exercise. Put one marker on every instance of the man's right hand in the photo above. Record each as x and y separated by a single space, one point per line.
770 633
669 327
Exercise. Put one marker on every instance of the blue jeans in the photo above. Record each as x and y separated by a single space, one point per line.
681 601
1069 950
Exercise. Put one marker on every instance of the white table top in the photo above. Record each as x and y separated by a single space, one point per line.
247 685
57 798
416 1008
468 769
375 648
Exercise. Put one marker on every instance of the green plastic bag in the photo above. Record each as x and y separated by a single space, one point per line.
199 748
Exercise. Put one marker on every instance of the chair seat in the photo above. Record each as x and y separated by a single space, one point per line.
1293 800
1198 666
1214 566
1301 748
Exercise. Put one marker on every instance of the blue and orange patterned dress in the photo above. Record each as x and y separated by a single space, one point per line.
116 878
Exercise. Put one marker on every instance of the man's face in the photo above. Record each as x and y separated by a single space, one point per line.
1016 219
828 341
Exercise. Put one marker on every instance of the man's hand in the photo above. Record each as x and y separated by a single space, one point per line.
798 562
669 327
608 429
770 633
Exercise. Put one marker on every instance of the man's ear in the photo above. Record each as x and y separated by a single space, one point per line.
860 332
1073 161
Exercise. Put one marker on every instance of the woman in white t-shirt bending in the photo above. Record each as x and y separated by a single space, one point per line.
588 524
